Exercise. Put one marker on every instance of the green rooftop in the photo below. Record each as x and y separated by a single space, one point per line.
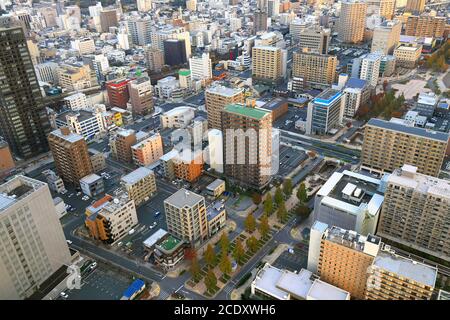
184 72
170 243
251 112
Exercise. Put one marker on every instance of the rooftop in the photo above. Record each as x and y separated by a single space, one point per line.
70 137
224 91
255 113
213 185
429 134
154 238
90 178
17 189
324 291
184 198
407 268
297 284
266 281
327 97
350 239
170 243
136 175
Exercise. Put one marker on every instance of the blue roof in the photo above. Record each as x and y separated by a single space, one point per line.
133 288
327 97
356 83
394 126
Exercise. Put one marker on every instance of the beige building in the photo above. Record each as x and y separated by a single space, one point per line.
386 37
154 58
388 146
249 163
71 155
75 78
352 21
267 64
32 242
416 6
141 96
111 218
84 45
216 98
387 9
392 277
121 144
316 39
148 151
98 160
186 216
313 70
415 212
140 185
425 26
344 258
108 18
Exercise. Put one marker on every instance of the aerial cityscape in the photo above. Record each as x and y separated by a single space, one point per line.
224 150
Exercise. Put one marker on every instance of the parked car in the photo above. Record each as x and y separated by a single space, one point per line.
69 241
64 295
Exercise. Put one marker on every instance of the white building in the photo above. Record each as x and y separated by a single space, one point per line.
215 149
179 117
370 68
83 45
201 68
144 5
123 39
77 101
85 123
32 241
55 183
168 88
235 24
47 72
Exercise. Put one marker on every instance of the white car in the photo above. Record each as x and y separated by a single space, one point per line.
69 241
64 295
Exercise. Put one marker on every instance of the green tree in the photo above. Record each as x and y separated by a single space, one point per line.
209 255
264 226
238 252
303 211
225 264
287 187
268 204
302 196
210 281
250 223
195 269
282 213
256 197
224 243
278 196
252 244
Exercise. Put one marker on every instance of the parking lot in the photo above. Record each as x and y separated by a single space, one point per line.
292 261
101 284
287 121
289 160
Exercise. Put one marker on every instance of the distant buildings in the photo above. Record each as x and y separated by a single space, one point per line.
186 216
352 21
73 78
388 146
111 218
154 59
216 98
70 154
386 37
316 39
313 70
201 68
121 144
32 241
140 185
425 26
175 52
407 56
268 64
260 21
415 212
415 6
108 19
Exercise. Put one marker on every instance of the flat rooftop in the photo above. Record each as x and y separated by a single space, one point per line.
407 268
213 185
223 90
17 189
392 126
255 113
71 137
324 291
266 281
136 175
327 97
91 178
184 198
349 238
169 243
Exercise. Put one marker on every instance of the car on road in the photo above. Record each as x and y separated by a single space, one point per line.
131 231
93 265
72 209
63 295
69 241
157 213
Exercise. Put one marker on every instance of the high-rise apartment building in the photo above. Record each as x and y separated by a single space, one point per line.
144 5
216 98
260 21
247 144
23 119
141 95
386 37
84 45
387 9
140 185
121 144
415 6
325 112
186 216
389 145
370 68
118 94
392 277
32 242
344 257
313 70
315 38
175 52
352 21
268 64
140 30
70 154
148 151
110 218
425 26
75 78
415 212
201 68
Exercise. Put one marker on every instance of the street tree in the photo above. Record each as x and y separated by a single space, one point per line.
238 252
195 269
252 244
264 226
278 196
287 187
224 243
210 281
268 205
209 255
250 223
282 213
225 264
302 196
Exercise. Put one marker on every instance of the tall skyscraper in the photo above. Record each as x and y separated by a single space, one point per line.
260 21
70 154
389 145
216 98
247 144
186 216
416 6
352 21
416 212
268 64
23 119
32 242
140 30
175 52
